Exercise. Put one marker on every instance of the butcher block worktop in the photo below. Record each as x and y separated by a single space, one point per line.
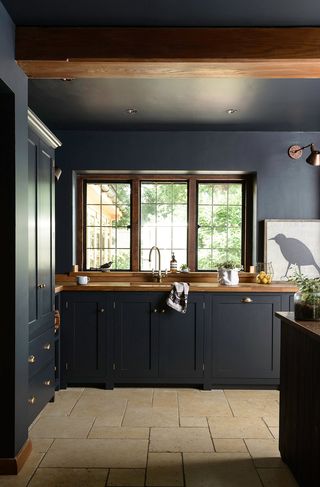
199 282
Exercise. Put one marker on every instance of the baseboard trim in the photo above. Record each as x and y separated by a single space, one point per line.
12 466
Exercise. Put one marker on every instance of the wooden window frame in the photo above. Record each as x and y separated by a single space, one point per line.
192 179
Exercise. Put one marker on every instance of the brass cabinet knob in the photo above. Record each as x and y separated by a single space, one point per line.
47 346
246 300
101 310
47 382
31 359
32 400
44 285
155 310
163 311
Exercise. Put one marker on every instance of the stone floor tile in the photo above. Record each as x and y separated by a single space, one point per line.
230 445
112 420
254 394
62 427
180 440
99 405
165 398
254 407
97 453
271 420
191 421
238 428
64 402
113 432
142 416
265 452
164 469
25 474
277 477
204 404
126 477
220 470
69 477
41 445
135 395
274 432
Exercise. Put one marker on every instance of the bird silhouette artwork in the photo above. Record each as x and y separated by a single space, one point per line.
106 266
295 252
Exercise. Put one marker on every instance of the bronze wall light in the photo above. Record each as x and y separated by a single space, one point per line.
295 152
57 172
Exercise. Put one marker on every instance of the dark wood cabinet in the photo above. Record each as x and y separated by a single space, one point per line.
245 339
84 337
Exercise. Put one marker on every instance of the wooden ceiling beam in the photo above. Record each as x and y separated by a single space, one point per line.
168 52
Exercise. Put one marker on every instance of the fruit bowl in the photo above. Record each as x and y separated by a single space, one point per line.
264 273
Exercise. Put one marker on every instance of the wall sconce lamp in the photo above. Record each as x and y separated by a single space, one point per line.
57 172
295 152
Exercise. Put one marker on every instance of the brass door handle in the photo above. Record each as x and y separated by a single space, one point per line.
47 382
32 400
31 359
47 346
246 300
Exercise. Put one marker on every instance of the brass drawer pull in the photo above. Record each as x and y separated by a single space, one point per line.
47 382
31 359
47 346
32 400
246 300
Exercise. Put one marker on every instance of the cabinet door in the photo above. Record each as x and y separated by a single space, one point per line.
135 335
84 337
181 340
245 337
45 231
40 235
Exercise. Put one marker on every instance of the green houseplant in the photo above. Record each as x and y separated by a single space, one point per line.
307 298
228 272
184 268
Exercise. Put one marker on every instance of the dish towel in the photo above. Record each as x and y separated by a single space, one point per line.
178 296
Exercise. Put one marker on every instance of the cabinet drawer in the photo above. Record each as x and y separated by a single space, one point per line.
41 351
41 390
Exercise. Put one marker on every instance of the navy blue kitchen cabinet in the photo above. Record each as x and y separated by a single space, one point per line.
245 339
154 343
135 335
181 340
85 318
41 265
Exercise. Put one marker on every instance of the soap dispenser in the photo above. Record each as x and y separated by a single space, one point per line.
173 264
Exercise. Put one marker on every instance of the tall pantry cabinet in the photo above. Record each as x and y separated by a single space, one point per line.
41 223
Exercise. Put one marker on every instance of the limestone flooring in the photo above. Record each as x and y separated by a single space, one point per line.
156 437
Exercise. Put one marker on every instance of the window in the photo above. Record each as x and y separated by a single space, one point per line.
108 222
202 219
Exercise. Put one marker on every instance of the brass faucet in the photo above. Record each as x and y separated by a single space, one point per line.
157 272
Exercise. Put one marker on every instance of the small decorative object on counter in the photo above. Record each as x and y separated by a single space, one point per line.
75 268
173 264
106 266
184 268
307 298
264 272
228 273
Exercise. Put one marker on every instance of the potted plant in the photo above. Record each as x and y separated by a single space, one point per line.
184 268
307 298
228 272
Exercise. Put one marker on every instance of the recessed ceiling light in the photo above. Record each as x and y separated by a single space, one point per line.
231 111
131 111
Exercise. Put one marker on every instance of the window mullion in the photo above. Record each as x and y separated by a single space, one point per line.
135 224
192 223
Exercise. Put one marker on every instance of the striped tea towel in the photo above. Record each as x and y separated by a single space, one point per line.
178 296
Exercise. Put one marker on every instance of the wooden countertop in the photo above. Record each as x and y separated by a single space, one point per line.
249 287
311 328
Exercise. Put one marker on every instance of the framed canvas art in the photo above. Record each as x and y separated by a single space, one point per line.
292 242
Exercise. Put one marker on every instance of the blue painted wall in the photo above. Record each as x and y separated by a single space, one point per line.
14 385
286 188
